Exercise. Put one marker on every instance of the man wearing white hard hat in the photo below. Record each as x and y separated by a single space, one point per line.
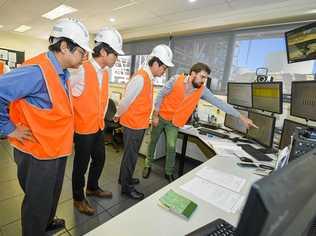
134 112
174 105
90 99
40 125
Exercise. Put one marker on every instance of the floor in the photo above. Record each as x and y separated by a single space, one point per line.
11 194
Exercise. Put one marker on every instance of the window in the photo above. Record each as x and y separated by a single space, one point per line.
121 71
209 48
267 49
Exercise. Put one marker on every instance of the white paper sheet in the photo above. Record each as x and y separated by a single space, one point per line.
218 196
223 179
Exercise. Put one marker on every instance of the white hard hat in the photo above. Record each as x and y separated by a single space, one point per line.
164 53
72 29
112 37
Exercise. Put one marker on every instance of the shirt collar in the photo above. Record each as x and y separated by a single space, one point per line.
147 69
96 66
63 73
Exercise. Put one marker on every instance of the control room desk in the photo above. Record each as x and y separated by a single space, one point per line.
147 218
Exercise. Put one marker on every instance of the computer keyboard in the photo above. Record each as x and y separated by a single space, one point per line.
212 132
218 227
255 153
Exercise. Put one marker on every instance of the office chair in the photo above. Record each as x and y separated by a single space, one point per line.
112 131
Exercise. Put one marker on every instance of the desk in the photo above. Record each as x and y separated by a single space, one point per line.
147 218
191 131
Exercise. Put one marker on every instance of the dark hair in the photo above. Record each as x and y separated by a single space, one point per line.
106 47
56 46
198 67
155 59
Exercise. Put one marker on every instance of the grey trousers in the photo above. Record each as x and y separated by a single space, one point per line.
41 182
132 139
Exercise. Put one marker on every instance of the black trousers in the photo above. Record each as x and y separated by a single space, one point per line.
86 146
41 181
132 139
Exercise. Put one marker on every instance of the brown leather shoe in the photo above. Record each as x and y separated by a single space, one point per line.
84 207
99 193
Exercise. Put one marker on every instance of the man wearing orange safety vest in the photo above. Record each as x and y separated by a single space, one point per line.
134 112
40 125
173 107
90 99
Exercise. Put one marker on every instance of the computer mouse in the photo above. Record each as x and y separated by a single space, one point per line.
245 159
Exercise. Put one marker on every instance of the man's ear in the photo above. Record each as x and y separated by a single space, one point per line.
64 47
103 53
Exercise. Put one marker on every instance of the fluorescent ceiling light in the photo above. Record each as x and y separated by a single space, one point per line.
192 0
59 11
1 26
112 19
22 28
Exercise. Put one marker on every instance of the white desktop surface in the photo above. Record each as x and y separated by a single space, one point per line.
147 218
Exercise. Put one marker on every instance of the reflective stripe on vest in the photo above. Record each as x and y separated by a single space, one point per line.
90 106
52 128
138 114
177 107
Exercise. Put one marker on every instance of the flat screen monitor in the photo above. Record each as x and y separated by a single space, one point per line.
303 99
235 123
267 96
264 134
301 43
283 203
239 94
288 129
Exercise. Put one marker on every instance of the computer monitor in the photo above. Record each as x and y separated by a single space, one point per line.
267 96
264 134
288 129
283 203
239 94
235 123
300 43
303 99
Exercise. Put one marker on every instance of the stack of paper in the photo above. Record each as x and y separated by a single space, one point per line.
217 188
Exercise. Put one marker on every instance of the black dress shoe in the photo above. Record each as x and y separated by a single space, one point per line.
134 181
56 224
146 172
134 194
170 178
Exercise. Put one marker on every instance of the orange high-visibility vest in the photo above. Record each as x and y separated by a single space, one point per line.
1 68
52 128
176 107
138 114
90 106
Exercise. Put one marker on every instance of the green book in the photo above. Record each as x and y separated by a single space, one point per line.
178 204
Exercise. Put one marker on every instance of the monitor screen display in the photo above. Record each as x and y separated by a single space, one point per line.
235 123
267 96
239 94
301 43
303 99
264 134
289 127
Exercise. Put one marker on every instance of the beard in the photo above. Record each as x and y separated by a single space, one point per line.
196 85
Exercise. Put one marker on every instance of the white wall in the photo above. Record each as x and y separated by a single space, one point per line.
31 46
